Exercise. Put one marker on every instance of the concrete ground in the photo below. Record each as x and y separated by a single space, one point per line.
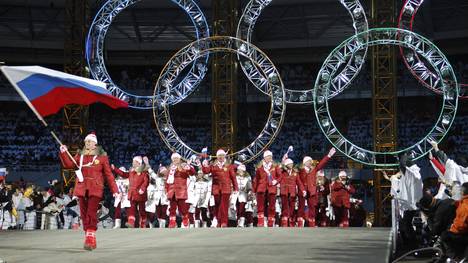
286 245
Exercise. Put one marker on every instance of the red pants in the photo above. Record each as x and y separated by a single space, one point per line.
301 207
161 211
312 207
178 203
222 203
288 203
341 216
261 204
118 212
88 209
240 210
140 205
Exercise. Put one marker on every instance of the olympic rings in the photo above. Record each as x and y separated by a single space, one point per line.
411 59
201 48
392 36
245 27
95 52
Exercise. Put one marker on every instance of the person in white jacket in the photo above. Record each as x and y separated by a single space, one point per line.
201 199
240 199
191 202
157 198
121 201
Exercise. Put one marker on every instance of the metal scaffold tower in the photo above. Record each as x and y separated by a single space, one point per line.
75 117
384 104
225 79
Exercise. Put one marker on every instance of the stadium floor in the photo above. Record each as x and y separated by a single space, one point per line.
287 245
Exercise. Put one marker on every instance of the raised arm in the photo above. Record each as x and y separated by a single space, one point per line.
67 161
120 172
325 159
438 165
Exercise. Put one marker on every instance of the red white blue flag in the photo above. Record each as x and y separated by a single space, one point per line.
46 91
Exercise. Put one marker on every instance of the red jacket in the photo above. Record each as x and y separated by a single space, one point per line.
460 223
340 194
309 179
93 175
291 184
137 182
261 183
224 179
179 187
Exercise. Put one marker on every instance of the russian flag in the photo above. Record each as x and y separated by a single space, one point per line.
3 174
47 90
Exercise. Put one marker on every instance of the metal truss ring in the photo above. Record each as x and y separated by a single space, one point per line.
385 36
203 47
95 52
245 29
411 59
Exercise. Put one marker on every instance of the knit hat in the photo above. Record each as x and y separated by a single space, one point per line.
267 153
342 173
91 137
138 159
288 162
175 156
306 159
220 152
241 167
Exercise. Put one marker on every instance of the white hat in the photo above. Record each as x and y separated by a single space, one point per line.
342 173
306 159
288 162
138 159
91 137
320 173
123 169
241 167
175 156
267 153
220 152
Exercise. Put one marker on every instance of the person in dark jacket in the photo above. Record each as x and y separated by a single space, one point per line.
439 213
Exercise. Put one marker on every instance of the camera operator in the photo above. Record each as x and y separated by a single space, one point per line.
341 191
439 213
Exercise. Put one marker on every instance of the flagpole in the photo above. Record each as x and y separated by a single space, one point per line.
23 96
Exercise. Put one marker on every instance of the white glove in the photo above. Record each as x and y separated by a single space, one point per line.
63 148
141 191
304 193
274 182
205 163
146 161
331 152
